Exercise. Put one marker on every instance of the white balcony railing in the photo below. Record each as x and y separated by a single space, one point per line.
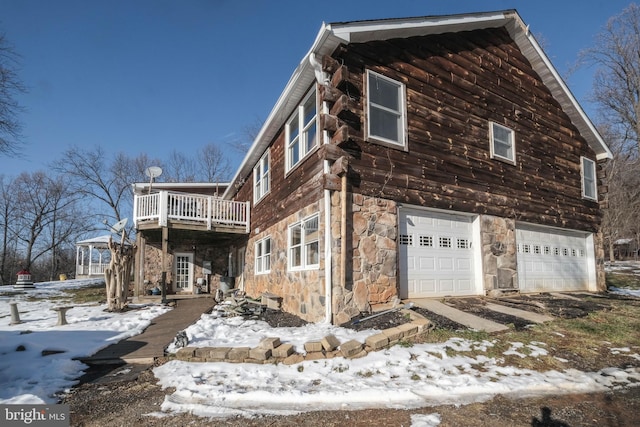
208 210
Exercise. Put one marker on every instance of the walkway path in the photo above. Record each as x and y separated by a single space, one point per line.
467 319
144 348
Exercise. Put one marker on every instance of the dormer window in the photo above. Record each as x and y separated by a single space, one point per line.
503 145
301 131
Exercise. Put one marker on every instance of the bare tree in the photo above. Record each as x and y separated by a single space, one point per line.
616 88
118 273
45 216
10 86
7 217
180 168
212 164
103 180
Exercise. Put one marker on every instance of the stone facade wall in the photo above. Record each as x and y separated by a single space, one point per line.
302 292
152 274
499 263
372 260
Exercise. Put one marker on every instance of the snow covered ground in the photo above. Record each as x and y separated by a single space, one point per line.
28 377
399 377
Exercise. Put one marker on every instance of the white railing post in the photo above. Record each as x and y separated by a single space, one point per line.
209 210
163 208
136 200
247 216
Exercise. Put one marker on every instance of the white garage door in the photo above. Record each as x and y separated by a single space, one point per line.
436 257
551 260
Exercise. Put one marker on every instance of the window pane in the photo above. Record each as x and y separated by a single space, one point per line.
312 253
383 92
384 124
503 150
311 137
296 235
589 178
295 256
294 127
502 142
501 134
310 109
294 153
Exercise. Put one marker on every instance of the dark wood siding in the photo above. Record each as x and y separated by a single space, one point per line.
456 84
290 193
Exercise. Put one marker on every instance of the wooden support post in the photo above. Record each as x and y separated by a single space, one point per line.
165 256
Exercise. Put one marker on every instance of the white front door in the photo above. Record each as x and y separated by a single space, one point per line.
436 254
552 260
183 272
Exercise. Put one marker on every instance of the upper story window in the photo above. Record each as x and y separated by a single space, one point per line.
263 255
301 131
262 177
304 244
589 190
503 144
386 110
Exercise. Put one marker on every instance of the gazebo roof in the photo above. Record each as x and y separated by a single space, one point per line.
97 242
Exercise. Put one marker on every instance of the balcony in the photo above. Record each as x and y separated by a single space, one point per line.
190 211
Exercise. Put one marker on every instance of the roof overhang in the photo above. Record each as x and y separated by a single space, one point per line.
143 187
331 36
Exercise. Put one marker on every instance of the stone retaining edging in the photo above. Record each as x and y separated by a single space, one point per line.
272 350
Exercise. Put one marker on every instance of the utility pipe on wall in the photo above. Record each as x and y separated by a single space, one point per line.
327 251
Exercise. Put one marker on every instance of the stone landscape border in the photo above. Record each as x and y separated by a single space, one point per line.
272 350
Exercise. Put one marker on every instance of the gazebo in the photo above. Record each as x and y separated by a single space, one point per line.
92 257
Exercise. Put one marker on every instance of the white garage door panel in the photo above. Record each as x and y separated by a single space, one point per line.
436 257
551 260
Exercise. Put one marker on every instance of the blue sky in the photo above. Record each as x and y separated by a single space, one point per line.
151 76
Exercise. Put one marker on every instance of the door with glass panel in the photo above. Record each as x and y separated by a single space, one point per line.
183 272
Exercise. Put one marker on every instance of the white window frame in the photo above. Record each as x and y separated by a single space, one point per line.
589 183
262 177
262 256
401 112
301 140
511 143
305 245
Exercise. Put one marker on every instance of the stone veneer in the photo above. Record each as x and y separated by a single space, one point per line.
302 292
372 263
499 262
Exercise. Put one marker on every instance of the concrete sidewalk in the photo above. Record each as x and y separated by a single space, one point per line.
467 319
144 348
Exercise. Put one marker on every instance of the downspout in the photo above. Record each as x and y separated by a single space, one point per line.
323 79
343 233
327 251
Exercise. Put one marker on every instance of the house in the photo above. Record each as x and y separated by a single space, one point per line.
423 157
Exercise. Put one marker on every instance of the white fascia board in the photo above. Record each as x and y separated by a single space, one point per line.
551 78
384 29
296 88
